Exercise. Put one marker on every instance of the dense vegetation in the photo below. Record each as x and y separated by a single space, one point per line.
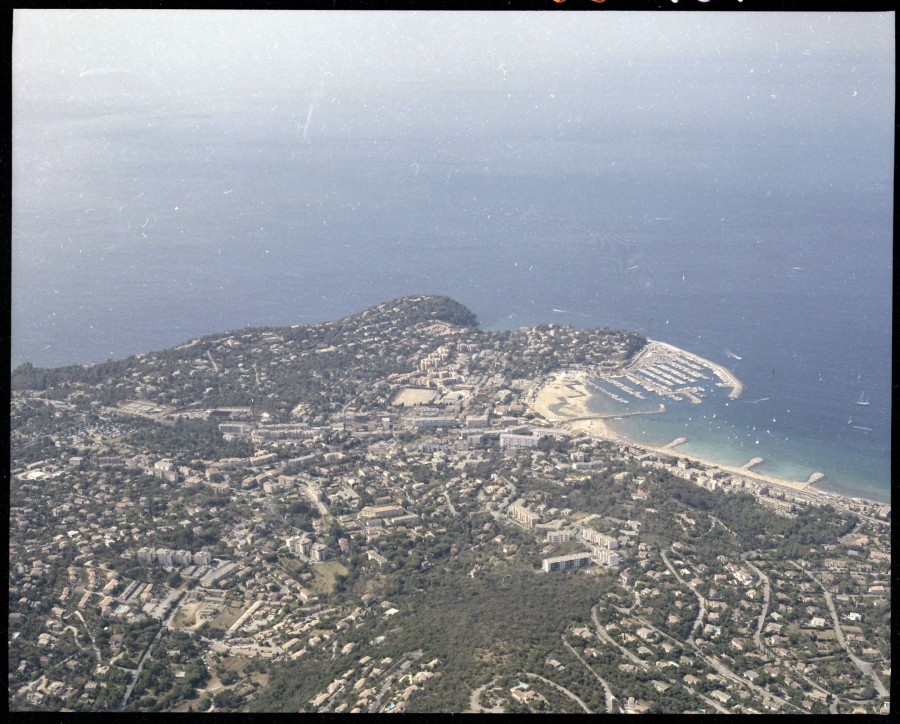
489 626
192 439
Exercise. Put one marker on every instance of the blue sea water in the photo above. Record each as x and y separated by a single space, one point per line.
711 247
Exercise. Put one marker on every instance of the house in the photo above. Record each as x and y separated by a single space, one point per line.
635 706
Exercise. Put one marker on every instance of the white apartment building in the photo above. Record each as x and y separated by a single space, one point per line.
564 563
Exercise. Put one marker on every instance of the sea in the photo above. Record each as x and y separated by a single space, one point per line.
769 253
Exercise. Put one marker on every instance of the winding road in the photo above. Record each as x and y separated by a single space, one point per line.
702 601
610 699
602 632
864 666
450 504
574 697
475 706
93 640
767 593
162 627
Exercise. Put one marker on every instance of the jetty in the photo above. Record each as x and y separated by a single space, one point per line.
752 462
675 443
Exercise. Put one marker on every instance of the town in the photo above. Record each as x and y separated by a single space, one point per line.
370 515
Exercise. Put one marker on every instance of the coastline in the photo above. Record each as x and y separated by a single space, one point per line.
562 400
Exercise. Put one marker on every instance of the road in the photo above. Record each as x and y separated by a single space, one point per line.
729 674
602 632
475 706
864 666
450 503
767 593
702 601
93 641
610 699
637 602
710 702
720 667
162 627
564 690
391 675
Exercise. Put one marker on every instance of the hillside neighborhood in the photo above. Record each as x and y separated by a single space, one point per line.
370 515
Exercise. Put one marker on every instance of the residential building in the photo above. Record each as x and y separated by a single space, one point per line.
563 563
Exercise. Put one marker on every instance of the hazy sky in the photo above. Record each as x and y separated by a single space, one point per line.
245 52
216 132
468 76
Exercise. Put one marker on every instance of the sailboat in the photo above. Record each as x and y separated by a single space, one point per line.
862 399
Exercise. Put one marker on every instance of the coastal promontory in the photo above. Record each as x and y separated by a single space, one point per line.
399 511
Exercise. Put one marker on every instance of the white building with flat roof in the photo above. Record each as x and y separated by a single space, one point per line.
509 439
519 513
589 535
564 563
607 557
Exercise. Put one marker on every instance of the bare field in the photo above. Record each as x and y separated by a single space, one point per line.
325 574
227 617
409 396
186 616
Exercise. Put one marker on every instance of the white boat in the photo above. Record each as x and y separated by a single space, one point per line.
732 354
862 399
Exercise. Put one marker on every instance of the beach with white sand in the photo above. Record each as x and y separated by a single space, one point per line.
564 398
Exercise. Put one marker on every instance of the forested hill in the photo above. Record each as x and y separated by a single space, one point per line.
398 314
415 309
358 361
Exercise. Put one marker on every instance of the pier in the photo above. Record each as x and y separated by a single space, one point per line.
752 463
614 415
675 443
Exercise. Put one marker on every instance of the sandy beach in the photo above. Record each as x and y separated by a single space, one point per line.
564 397
563 401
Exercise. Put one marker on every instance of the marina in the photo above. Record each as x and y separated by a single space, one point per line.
671 373
667 371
